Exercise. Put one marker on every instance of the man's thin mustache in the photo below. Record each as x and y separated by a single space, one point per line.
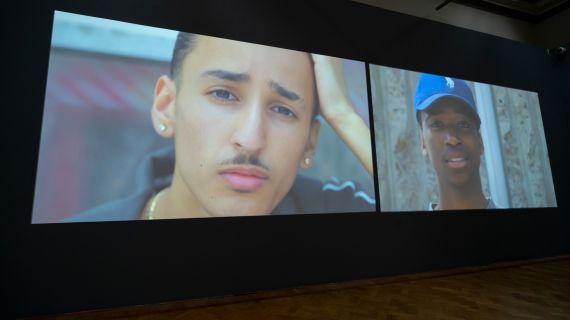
242 159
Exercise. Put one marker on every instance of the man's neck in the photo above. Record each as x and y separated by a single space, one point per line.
458 198
178 202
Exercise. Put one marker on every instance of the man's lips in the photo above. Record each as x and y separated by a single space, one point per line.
244 178
456 162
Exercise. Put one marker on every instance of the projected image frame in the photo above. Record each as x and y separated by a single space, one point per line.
514 167
100 146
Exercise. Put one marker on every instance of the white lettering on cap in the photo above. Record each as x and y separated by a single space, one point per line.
449 82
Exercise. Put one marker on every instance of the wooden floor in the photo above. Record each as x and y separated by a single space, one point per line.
532 291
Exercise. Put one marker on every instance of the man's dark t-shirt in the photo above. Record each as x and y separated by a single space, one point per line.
306 196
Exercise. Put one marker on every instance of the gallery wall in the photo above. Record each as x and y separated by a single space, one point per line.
56 268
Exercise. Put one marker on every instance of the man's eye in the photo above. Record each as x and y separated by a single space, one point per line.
436 125
464 125
284 111
221 94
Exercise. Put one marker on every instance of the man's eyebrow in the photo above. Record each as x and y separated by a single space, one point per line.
227 75
285 93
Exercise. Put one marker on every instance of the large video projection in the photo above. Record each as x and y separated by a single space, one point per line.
448 144
161 124
147 123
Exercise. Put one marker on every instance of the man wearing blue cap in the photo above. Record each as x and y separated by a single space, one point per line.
449 123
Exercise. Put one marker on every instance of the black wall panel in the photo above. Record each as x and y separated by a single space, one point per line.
70 267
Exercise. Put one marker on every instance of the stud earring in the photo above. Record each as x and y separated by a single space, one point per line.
307 162
162 127
424 152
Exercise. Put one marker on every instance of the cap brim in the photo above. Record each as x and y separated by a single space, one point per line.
429 101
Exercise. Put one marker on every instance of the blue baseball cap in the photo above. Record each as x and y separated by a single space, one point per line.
431 88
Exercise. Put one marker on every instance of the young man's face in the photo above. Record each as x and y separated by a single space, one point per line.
451 138
242 123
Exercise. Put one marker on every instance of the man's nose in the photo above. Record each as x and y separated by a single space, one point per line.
249 135
451 137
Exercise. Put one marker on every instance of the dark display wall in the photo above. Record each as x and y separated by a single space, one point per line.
56 268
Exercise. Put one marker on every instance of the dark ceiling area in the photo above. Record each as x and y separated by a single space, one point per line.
545 23
532 11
